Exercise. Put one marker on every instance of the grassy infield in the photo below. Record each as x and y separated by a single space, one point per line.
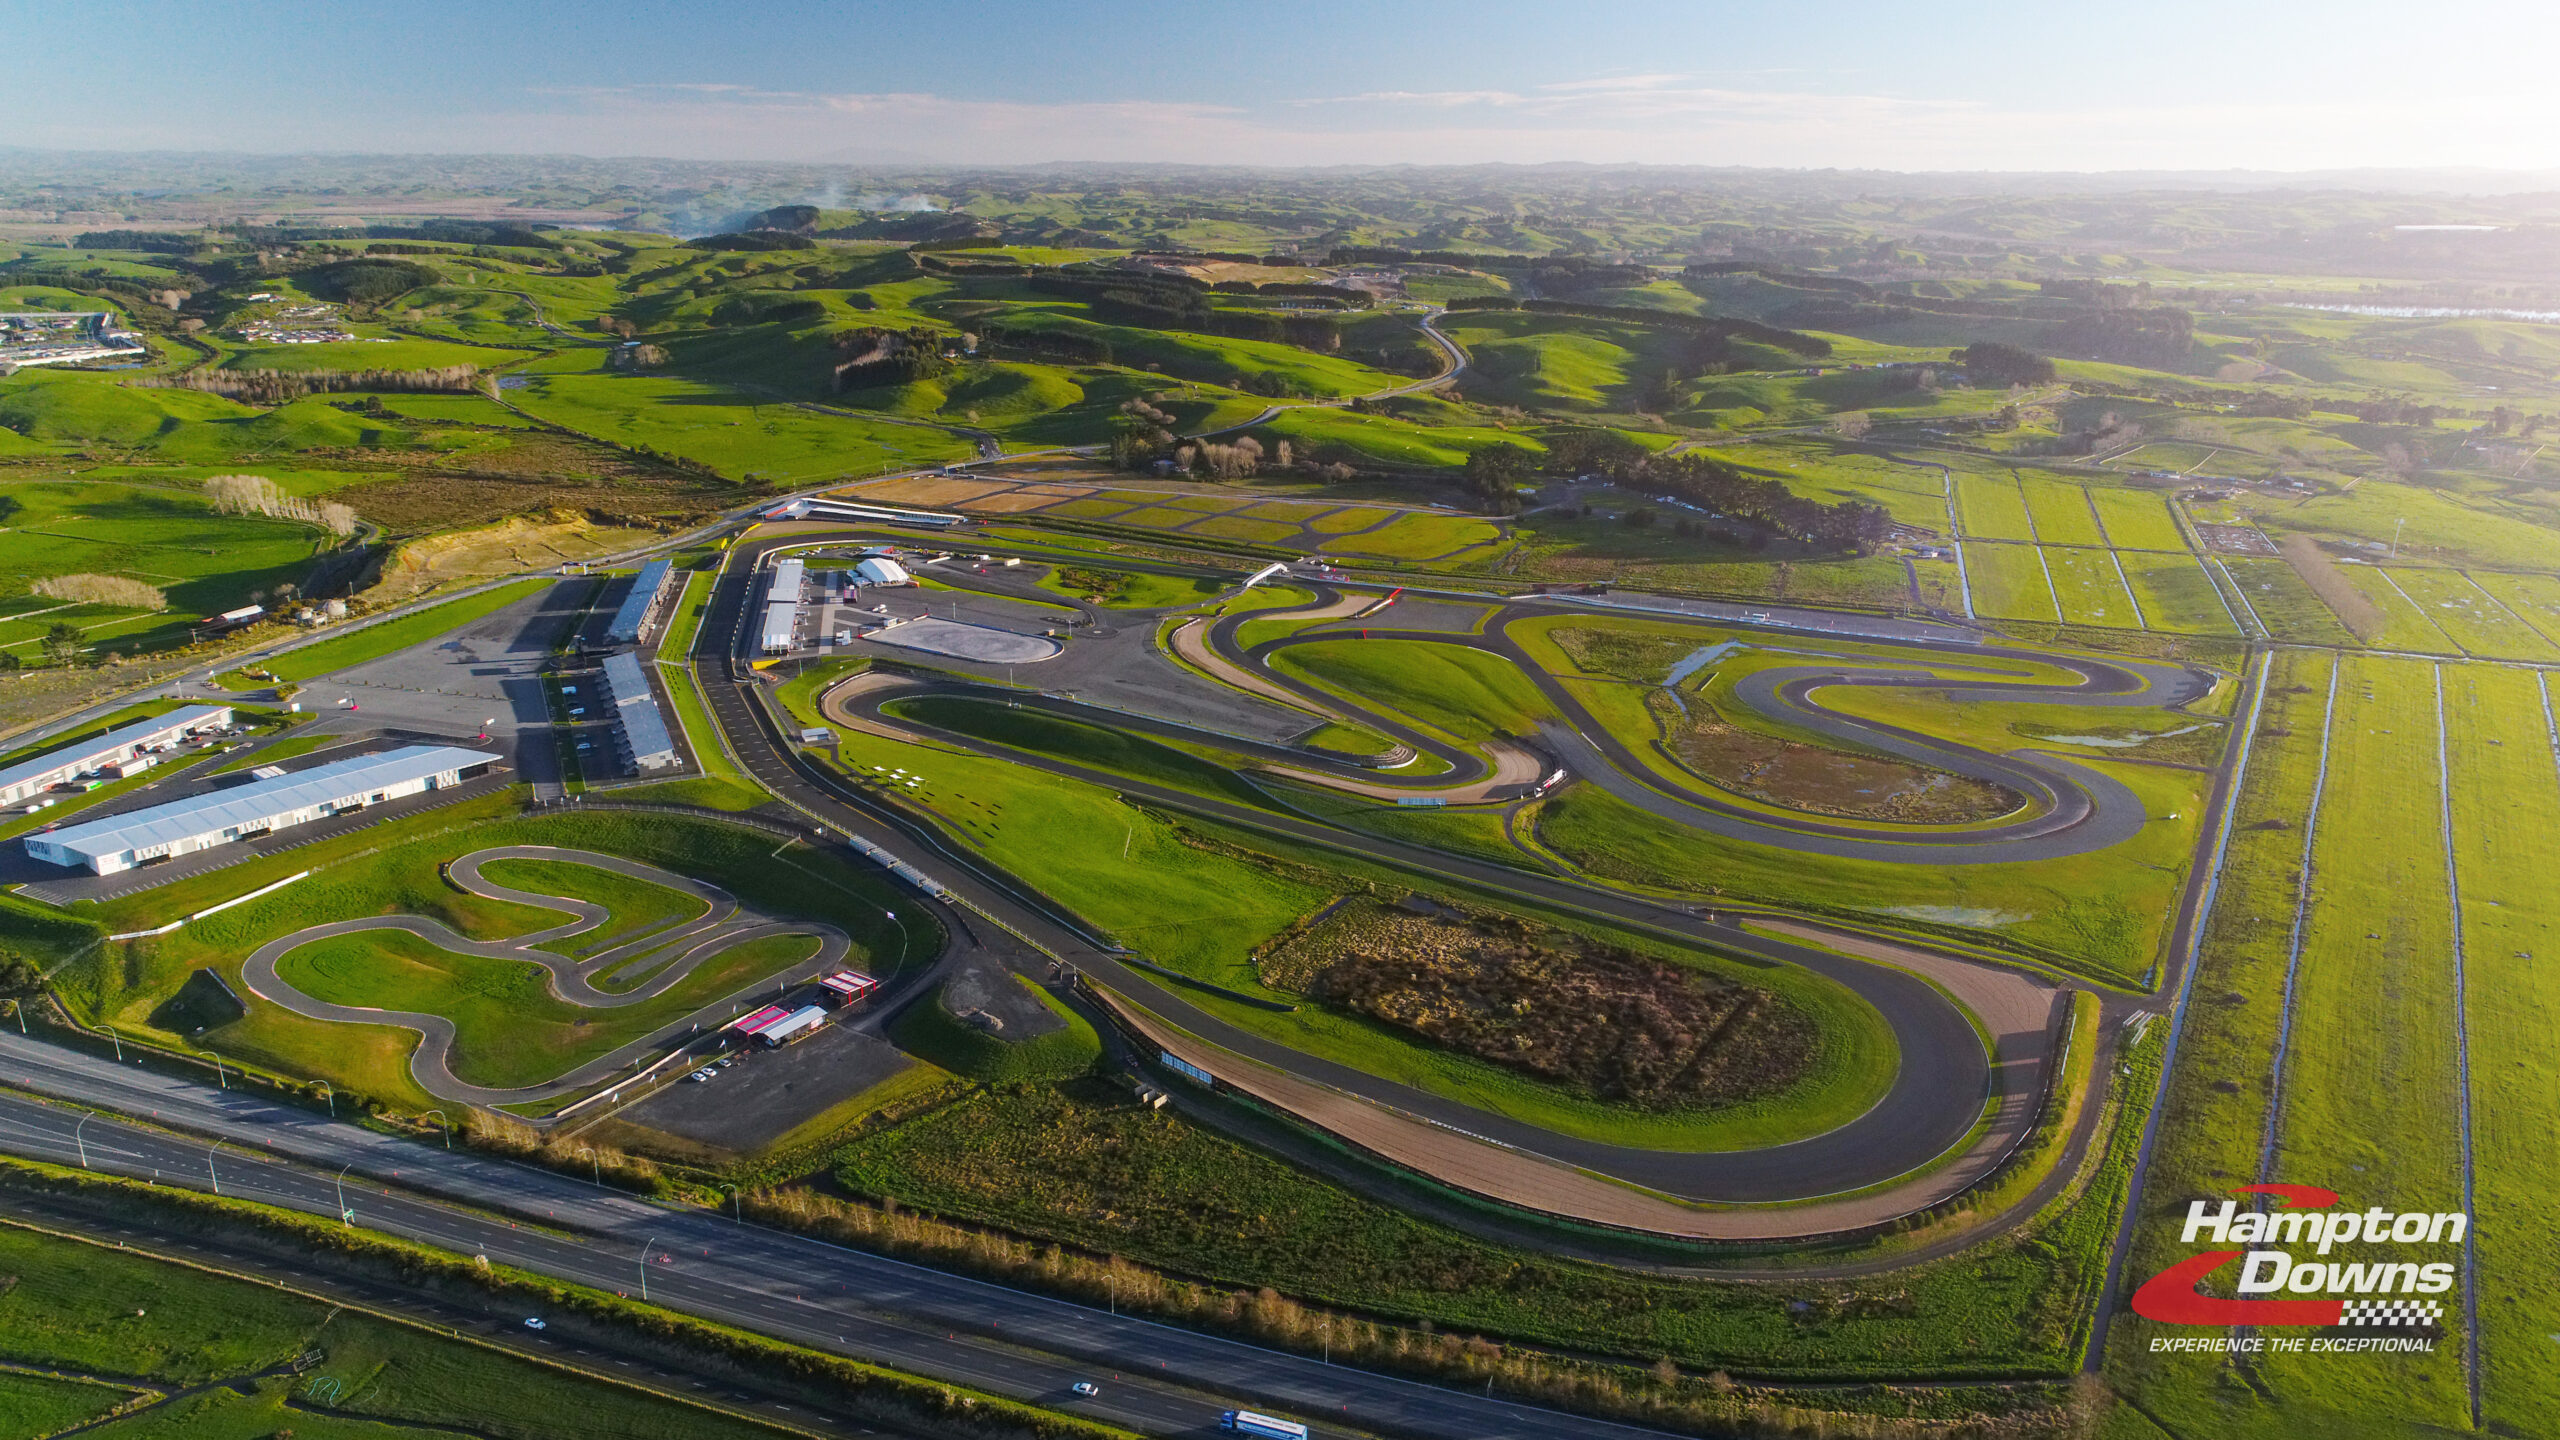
2370 1089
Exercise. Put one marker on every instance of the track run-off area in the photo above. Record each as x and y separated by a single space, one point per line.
1975 1041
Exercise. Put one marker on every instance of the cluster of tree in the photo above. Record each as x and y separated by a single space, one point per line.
2156 336
2396 410
1332 296
367 280
1230 257
1494 474
275 387
158 242
1988 362
873 355
1560 273
1713 326
1780 275
1147 303
754 240
258 495
992 265
1224 462
760 308
1075 346
1382 255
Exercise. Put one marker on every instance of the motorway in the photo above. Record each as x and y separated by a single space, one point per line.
843 1301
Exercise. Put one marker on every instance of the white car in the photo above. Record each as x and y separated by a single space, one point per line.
536 1324
1086 1388
701 1075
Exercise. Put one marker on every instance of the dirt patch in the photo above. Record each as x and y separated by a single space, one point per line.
1824 781
2335 591
986 996
935 490
521 543
1601 1019
432 501
2236 539
1015 503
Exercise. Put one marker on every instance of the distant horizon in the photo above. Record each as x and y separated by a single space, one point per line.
2220 177
2284 87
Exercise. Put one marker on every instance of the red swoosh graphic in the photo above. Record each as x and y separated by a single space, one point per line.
2170 1297
2295 1197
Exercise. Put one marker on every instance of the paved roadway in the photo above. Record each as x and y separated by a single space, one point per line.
1937 1094
799 1289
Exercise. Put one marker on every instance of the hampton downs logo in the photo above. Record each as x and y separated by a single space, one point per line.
2369 1295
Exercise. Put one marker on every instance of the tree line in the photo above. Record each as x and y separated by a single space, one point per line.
1719 327
1724 491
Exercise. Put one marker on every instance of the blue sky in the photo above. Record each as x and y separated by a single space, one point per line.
2177 85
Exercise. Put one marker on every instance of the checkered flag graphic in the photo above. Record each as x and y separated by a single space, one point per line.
2390 1314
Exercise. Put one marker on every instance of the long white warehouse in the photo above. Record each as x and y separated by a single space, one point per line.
782 607
630 623
43 772
245 812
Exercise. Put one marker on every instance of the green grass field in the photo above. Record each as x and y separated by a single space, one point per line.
2405 626
2009 583
2370 1089
2136 519
2214 1113
2288 607
2061 509
2469 616
1468 696
2092 591
1991 507
638 907
2176 594
2535 599
2506 829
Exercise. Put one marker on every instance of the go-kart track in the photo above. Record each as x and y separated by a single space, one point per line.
1952 1112
648 966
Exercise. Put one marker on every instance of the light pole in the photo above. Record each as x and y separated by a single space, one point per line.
218 1076
78 1144
209 1172
2396 527
902 934
444 1127
329 1093
644 1270
346 1215
737 1204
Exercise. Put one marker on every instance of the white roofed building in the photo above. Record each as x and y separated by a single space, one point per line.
881 570
39 773
242 812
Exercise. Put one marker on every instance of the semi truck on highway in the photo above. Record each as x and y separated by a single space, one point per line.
1269 1427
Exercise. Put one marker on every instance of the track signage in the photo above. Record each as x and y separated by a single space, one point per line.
2285 1252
